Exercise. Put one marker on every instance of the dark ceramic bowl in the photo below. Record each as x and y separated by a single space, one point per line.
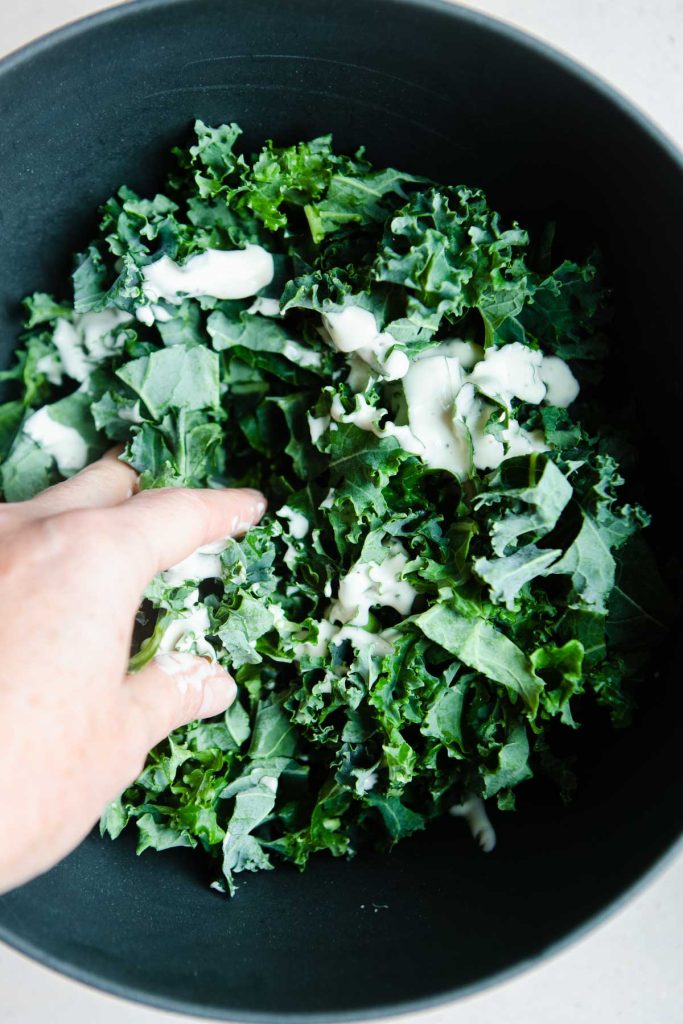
442 91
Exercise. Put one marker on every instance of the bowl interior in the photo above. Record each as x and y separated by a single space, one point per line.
439 91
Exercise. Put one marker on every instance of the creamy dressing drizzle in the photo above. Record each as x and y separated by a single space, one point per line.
468 353
474 813
369 584
364 416
317 426
354 330
447 391
64 444
298 523
188 633
218 273
365 643
131 413
202 564
51 366
301 355
264 306
149 314
317 648
86 341
513 371
562 387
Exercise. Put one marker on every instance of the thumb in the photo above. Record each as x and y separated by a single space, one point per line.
174 689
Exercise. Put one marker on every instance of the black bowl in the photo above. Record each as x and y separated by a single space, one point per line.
433 89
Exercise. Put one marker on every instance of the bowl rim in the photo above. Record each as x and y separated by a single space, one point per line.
629 109
520 37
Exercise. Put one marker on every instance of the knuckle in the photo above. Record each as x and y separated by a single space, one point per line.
86 532
28 545
111 471
12 517
192 504
85 526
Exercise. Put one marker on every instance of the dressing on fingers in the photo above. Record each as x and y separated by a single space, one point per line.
160 529
175 688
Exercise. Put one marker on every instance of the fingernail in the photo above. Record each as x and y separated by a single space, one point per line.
219 693
259 505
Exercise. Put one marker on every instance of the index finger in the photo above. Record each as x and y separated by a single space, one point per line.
104 483
159 528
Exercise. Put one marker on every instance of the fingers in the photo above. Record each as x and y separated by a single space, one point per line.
103 484
174 689
159 528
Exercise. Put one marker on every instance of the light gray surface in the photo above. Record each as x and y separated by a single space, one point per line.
629 969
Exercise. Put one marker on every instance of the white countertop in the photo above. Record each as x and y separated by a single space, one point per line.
629 968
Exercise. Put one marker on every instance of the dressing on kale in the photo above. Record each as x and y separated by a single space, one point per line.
447 581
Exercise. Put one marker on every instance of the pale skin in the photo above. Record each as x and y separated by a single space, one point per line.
75 727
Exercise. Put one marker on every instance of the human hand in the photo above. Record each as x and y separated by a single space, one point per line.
75 728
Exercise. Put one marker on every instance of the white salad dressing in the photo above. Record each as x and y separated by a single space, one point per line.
99 331
363 641
474 813
189 673
522 442
468 353
488 452
51 366
360 374
562 387
188 633
264 306
202 564
218 273
367 417
74 361
148 314
447 405
354 329
430 387
364 416
131 413
64 444
328 500
351 328
452 426
317 426
301 355
317 648
87 340
298 523
366 781
512 371
369 584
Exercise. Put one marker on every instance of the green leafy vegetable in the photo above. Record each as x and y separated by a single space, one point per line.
449 580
